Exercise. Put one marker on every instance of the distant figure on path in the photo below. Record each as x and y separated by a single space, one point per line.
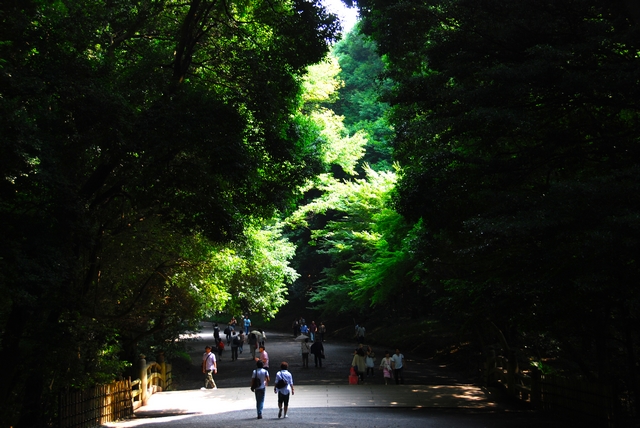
304 350
385 366
220 347
313 328
242 337
253 344
317 349
370 360
397 362
322 330
216 333
360 334
247 324
283 387
263 357
296 328
263 381
359 363
235 343
209 367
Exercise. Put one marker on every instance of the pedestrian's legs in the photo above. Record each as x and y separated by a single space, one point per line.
234 353
208 380
396 373
285 400
260 401
305 360
401 375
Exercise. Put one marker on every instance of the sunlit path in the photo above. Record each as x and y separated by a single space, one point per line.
168 406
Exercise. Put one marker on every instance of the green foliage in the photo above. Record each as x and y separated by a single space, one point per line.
516 129
367 244
136 139
359 101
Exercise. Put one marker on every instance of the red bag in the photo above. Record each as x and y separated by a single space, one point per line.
353 377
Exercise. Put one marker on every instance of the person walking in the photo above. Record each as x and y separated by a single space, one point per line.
242 336
259 386
235 343
359 363
263 357
253 344
322 330
385 366
209 367
304 350
216 333
317 349
397 363
370 360
313 328
220 347
247 324
283 387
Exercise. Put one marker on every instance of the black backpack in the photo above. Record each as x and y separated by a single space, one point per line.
252 339
281 383
236 340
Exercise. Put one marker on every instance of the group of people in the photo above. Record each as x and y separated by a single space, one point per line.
236 337
313 330
363 362
259 380
316 348
283 386
391 365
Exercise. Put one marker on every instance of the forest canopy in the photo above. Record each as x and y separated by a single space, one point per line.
144 147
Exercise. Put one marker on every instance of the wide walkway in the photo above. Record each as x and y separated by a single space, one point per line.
231 399
325 392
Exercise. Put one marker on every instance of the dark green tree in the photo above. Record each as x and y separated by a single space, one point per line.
516 127
134 136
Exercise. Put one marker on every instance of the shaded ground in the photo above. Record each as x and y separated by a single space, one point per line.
283 347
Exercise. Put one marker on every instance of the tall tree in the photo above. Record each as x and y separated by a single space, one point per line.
516 126
135 133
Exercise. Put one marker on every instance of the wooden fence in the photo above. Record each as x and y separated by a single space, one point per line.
95 406
555 393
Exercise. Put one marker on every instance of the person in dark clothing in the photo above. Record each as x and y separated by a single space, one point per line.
317 349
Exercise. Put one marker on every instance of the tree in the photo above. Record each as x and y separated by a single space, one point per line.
359 100
516 129
135 135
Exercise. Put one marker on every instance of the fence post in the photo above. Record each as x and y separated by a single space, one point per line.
144 395
163 370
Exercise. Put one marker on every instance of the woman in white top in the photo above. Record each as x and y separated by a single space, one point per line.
283 387
304 350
